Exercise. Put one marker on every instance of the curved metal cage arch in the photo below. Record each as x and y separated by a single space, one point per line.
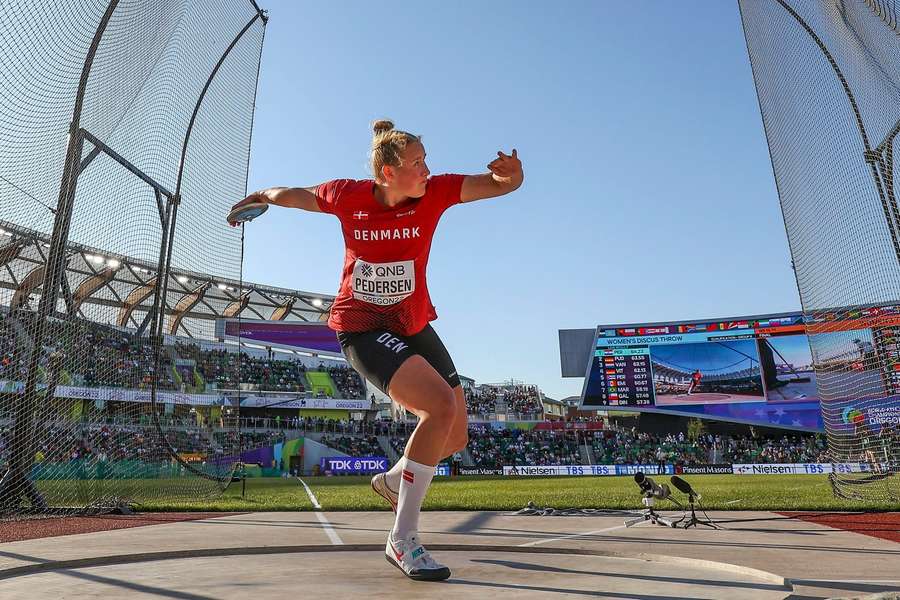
125 127
827 76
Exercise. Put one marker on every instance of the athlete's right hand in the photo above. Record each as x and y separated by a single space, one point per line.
254 197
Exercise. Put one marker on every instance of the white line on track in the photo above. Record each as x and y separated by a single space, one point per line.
574 535
317 508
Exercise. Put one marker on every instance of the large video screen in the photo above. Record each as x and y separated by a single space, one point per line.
750 370
290 335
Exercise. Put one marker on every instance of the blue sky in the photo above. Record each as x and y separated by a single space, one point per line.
794 349
648 194
710 358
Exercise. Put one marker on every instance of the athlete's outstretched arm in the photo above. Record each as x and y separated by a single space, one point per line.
505 176
302 198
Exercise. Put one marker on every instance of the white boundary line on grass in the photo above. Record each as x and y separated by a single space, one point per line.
317 508
569 537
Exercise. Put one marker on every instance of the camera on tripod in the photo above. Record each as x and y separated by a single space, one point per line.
651 492
650 489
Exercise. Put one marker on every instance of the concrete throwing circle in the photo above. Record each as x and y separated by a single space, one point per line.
361 571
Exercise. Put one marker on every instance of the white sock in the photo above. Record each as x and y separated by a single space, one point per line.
392 476
414 481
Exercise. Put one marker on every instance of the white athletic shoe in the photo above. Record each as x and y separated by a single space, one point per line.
380 486
411 557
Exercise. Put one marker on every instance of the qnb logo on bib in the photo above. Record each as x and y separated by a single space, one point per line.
383 284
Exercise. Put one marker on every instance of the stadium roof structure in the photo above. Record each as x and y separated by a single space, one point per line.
118 290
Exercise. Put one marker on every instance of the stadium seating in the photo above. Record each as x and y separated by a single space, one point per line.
490 448
95 355
355 445
521 401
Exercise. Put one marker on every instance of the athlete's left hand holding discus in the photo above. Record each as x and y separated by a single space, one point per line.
382 311
505 176
506 166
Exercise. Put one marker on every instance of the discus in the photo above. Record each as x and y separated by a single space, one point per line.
247 212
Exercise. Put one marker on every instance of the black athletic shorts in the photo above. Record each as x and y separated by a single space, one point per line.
377 354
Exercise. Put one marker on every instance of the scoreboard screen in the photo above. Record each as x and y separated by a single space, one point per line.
749 369
626 376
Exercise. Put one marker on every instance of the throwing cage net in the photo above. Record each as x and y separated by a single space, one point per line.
827 76
124 139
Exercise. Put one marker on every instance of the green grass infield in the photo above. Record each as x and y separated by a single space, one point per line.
719 492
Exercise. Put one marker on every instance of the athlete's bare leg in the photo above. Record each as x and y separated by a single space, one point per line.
419 389
459 435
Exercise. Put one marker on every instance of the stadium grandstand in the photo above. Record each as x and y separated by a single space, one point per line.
584 443
509 421
195 360
107 367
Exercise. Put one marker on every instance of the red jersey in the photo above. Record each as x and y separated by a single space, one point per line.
697 376
383 281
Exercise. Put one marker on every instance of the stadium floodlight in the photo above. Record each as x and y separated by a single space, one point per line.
222 286
317 302
113 263
182 279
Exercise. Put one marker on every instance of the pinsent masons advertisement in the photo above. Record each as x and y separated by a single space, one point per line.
719 469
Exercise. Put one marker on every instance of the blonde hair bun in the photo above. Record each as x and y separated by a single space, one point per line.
382 126
387 145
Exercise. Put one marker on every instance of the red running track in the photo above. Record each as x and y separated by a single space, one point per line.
29 529
884 525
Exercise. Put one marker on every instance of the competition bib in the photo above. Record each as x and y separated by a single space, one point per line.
383 284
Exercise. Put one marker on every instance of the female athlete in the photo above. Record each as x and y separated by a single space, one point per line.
382 310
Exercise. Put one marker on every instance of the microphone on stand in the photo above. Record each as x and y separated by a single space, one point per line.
684 487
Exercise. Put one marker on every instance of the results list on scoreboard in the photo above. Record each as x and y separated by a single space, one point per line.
627 378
